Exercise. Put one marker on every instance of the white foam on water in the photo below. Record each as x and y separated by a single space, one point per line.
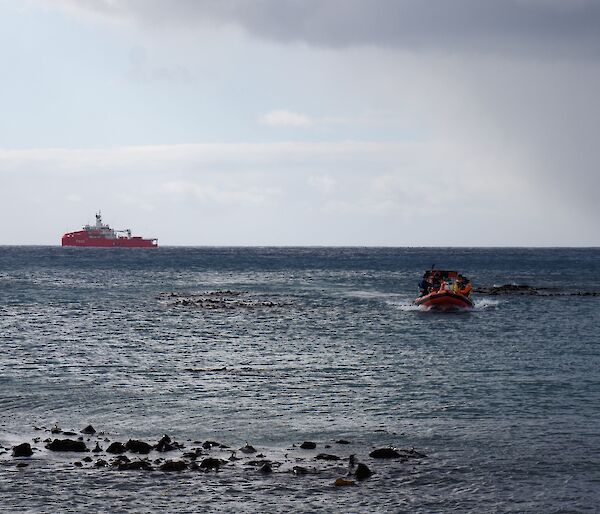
486 303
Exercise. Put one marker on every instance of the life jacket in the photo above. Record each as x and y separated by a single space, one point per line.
466 290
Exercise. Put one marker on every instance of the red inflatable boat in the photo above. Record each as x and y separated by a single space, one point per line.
443 291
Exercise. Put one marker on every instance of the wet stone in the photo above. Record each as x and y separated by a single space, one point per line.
342 441
101 463
22 450
174 465
22 464
248 448
116 448
327 456
211 463
135 446
308 445
98 448
87 459
362 471
384 453
89 430
266 468
135 465
67 445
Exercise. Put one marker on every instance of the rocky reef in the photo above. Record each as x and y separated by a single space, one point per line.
96 451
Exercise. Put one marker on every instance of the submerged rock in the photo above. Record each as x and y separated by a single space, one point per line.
98 448
327 456
101 463
165 445
362 472
89 430
342 441
211 463
67 445
22 464
87 459
308 445
116 448
301 470
22 450
135 465
174 465
135 446
384 453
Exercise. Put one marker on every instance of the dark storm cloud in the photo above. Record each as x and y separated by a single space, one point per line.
562 27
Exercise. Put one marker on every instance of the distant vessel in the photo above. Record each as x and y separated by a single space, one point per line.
101 235
444 291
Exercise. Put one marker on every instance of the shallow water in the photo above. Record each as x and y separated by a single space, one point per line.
323 344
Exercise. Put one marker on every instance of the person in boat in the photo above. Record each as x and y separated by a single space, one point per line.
424 285
464 285
436 281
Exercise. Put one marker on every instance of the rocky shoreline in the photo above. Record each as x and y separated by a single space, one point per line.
96 450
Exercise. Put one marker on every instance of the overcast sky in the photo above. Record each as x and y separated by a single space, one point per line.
302 122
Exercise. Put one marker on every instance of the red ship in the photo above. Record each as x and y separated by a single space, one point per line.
100 235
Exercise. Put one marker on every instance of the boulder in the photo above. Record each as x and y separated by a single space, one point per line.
207 445
89 430
248 448
384 453
98 448
342 441
362 472
135 446
22 450
308 445
101 463
116 448
211 463
164 445
67 445
87 459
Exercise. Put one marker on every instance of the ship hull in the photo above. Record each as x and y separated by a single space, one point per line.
444 301
83 239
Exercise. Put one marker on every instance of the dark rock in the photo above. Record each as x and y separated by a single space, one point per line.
89 430
69 433
101 463
308 445
362 471
87 459
136 465
326 456
22 464
78 464
135 446
342 441
248 448
98 448
116 448
164 445
384 453
22 450
120 459
67 445
260 462
174 465
352 460
211 463
266 468
207 445
411 453
55 430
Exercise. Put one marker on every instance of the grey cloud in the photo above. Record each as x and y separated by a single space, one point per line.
539 27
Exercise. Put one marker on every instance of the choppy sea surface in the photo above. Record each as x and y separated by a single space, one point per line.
295 344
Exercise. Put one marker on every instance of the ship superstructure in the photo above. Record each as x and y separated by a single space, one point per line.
102 235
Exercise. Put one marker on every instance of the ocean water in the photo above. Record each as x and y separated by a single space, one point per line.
295 344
